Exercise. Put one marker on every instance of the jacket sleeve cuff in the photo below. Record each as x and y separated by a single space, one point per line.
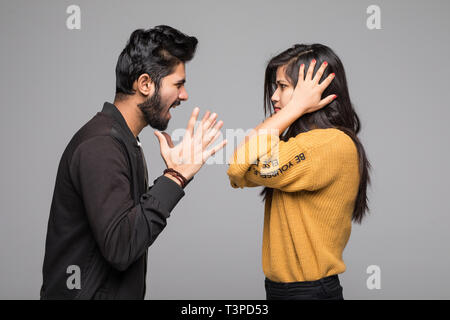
167 192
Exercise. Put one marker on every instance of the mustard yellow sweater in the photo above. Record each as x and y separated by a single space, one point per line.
307 222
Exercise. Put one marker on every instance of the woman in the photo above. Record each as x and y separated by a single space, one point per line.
314 170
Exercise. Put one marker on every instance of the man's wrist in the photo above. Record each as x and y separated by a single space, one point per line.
171 177
185 174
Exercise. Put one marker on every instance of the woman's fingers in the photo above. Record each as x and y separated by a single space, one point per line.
319 73
326 101
301 74
309 73
325 83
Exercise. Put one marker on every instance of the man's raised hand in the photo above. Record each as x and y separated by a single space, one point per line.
191 153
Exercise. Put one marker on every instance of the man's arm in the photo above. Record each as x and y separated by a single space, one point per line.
123 231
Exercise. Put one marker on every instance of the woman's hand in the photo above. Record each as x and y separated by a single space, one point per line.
307 95
306 98
191 153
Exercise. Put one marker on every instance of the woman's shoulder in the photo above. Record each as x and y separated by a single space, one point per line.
318 137
330 141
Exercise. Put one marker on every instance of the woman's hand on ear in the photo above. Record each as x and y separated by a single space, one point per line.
306 98
307 95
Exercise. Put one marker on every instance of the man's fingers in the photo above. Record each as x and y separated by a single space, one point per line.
215 137
192 121
169 139
208 123
213 133
207 113
212 151
319 72
162 141
202 129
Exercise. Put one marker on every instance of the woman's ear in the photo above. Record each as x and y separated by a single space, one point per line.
145 85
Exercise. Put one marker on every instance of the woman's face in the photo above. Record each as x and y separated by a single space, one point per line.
283 93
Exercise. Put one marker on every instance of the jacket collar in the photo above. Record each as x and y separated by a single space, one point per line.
111 110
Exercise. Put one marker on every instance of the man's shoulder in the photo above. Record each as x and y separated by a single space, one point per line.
95 134
99 125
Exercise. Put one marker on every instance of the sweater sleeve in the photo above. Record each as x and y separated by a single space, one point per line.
301 163
123 231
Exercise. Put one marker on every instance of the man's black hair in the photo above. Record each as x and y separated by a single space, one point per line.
155 51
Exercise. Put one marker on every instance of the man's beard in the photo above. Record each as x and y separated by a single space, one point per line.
153 109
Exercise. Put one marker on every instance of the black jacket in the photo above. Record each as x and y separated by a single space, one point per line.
103 216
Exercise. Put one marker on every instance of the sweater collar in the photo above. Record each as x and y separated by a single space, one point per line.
111 110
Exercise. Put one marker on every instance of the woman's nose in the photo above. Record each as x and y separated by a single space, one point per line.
275 98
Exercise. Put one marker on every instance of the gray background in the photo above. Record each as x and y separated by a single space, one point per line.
53 80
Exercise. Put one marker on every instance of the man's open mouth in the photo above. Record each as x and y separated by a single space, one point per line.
175 104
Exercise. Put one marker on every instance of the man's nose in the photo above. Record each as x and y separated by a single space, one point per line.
183 94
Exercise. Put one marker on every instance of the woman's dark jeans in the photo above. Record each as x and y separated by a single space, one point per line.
328 288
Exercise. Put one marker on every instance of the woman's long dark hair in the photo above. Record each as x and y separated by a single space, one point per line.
338 114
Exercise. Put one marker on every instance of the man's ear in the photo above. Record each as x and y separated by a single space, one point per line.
145 85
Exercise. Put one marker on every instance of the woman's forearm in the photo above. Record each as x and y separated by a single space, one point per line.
278 122
281 120
306 98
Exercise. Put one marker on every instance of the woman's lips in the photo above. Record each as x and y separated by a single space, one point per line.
276 109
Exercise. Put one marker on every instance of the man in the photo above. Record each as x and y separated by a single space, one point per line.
103 215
